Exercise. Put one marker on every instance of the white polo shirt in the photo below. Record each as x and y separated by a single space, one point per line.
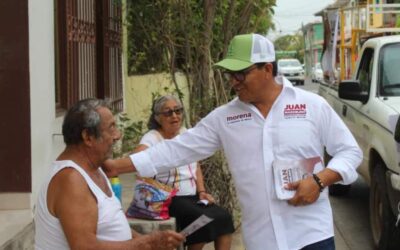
298 126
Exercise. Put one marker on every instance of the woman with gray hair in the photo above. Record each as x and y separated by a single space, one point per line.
192 199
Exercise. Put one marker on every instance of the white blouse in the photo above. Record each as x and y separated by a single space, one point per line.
182 178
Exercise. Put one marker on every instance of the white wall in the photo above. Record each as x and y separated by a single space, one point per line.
45 144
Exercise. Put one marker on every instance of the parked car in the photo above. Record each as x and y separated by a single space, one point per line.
292 70
317 74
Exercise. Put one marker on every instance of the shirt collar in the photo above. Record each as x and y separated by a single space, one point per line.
288 87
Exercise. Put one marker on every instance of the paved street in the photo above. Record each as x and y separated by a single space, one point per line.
351 218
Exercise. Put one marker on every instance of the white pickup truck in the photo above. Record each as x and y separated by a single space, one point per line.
370 106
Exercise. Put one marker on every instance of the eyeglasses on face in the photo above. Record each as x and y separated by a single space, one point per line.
239 76
168 113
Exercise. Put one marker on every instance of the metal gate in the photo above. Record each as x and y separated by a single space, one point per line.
89 51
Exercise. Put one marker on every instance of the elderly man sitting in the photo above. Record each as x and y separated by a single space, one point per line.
76 208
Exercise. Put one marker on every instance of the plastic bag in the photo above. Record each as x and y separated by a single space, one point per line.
151 200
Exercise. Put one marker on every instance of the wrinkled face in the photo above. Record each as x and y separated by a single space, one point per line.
250 84
109 134
170 117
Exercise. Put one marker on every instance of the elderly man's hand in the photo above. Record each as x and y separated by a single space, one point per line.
307 192
166 240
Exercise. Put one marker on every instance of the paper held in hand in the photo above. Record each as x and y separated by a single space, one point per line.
196 225
288 171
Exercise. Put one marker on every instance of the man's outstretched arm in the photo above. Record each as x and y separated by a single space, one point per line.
195 144
114 167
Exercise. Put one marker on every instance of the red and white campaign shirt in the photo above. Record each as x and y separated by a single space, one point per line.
298 126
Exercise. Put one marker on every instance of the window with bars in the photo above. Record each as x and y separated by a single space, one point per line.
88 51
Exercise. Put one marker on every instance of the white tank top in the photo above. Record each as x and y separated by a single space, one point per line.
112 224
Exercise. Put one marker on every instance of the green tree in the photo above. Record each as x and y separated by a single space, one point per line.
291 43
189 36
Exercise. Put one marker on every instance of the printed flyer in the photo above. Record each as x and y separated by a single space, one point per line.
288 171
196 225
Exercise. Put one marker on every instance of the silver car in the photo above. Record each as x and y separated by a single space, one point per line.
292 70
317 73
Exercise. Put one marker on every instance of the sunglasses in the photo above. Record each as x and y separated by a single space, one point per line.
168 113
239 76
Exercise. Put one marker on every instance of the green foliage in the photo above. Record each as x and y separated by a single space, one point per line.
145 44
160 31
291 43
131 132
190 36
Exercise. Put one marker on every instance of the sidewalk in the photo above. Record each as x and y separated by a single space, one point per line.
127 182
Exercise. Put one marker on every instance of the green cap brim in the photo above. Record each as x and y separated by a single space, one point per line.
233 64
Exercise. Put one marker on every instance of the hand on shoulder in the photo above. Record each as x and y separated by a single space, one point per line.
109 168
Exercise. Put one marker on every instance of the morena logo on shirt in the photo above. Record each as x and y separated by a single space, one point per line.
295 111
238 118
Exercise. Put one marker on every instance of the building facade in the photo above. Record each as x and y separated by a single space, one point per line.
313 44
53 53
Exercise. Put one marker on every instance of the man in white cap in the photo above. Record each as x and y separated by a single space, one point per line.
270 121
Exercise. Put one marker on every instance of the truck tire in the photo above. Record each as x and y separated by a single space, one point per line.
339 190
382 220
